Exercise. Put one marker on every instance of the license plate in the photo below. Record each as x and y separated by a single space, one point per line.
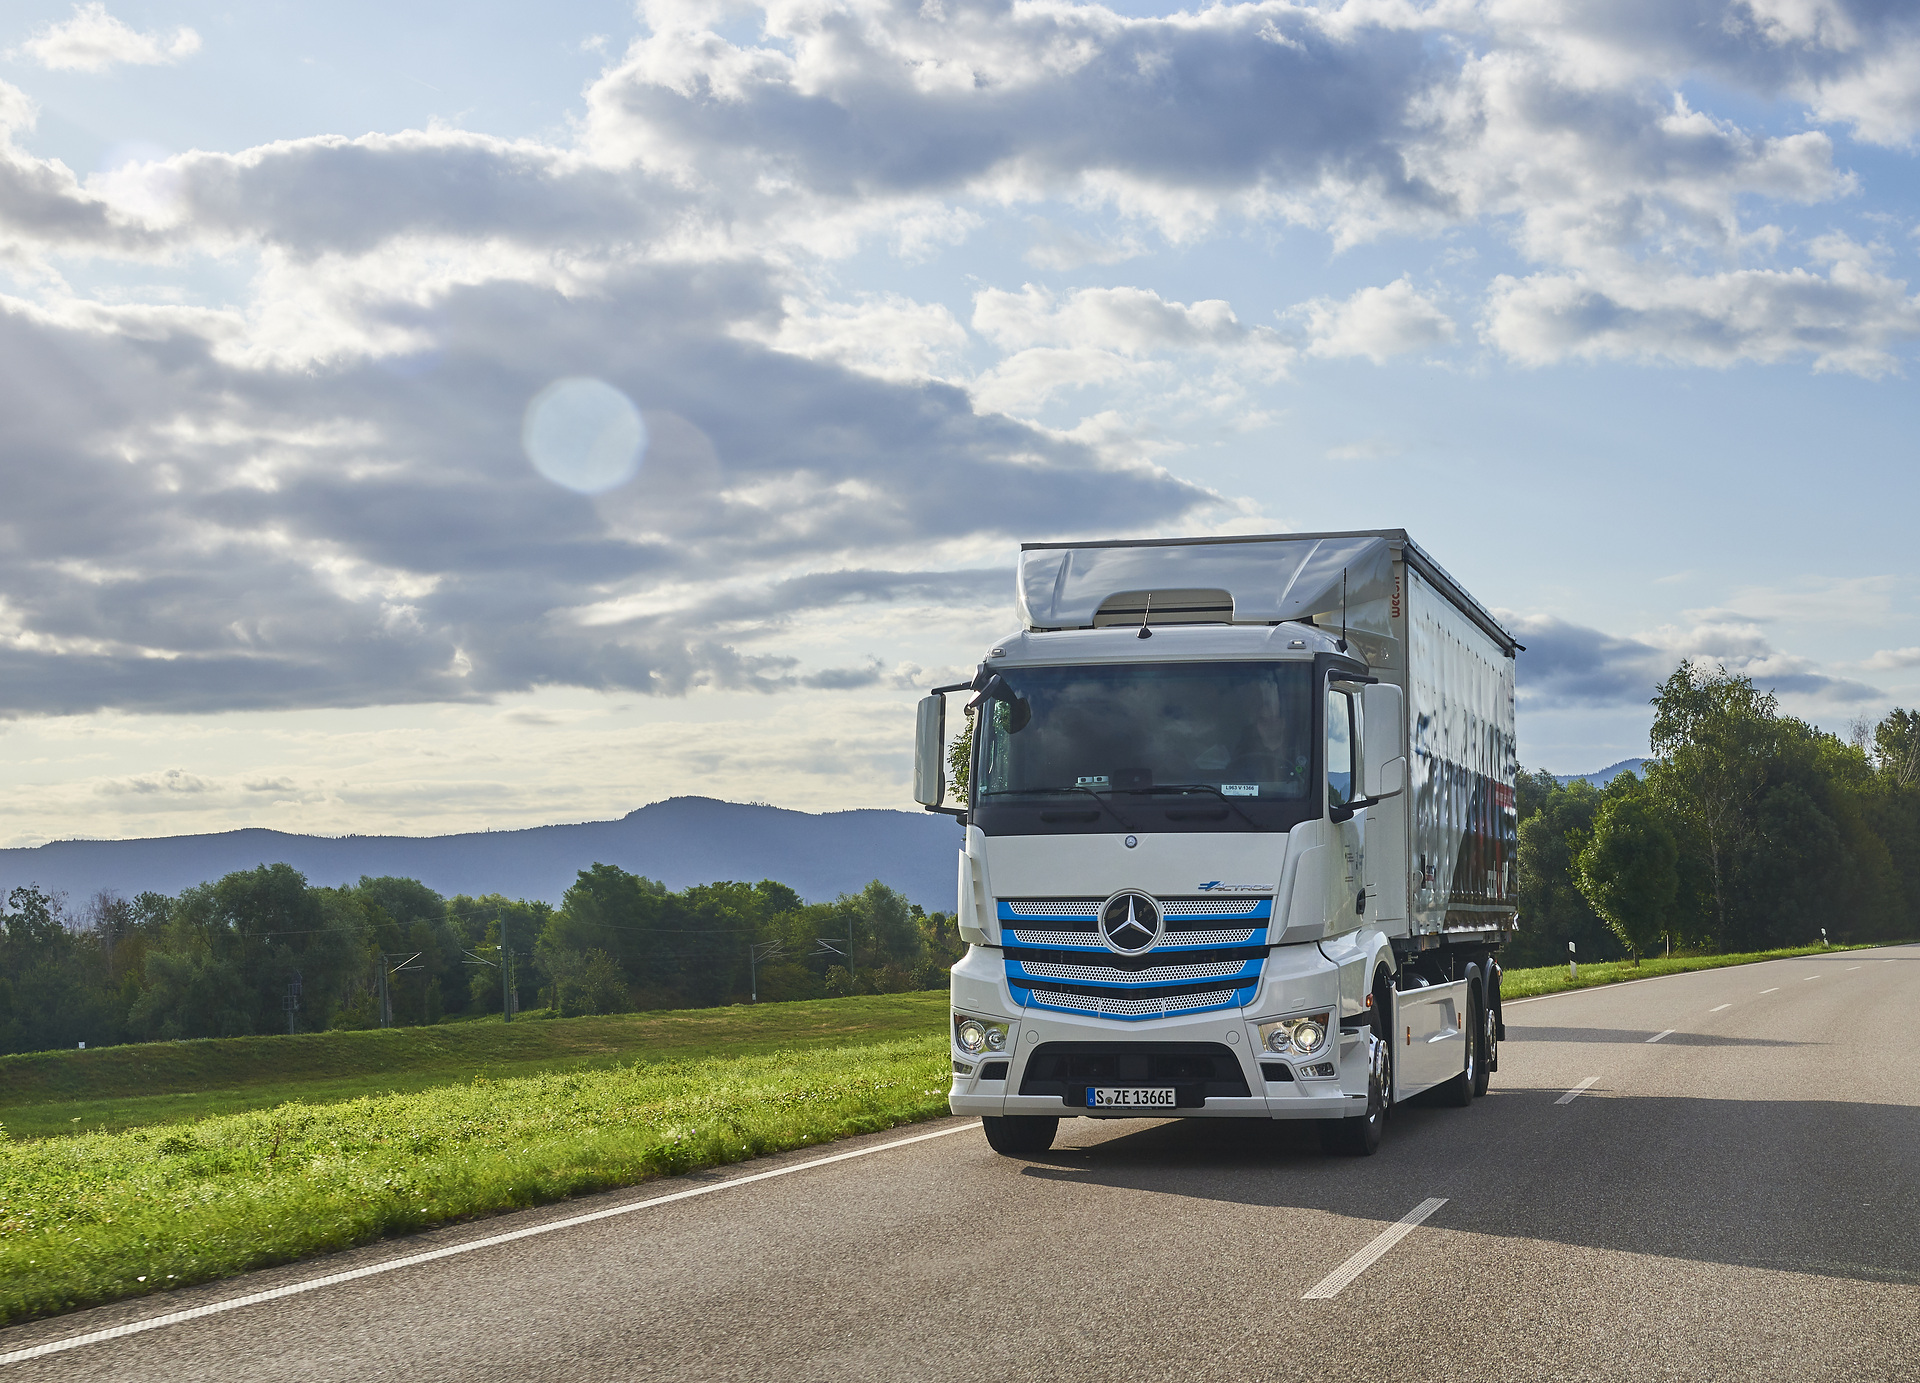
1129 1097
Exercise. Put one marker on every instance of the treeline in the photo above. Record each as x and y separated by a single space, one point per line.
264 951
1750 830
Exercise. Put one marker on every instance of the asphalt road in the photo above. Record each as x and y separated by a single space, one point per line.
1737 1200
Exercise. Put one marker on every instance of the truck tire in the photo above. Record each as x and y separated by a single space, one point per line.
1360 1135
1489 1031
1020 1135
1459 1091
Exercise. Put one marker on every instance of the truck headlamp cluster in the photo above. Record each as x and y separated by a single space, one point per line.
976 1035
1301 1036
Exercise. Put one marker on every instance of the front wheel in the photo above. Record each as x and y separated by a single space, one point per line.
1360 1136
1019 1135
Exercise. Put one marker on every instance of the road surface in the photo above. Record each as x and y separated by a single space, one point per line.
1738 1199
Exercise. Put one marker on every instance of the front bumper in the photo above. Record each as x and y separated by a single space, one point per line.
1298 979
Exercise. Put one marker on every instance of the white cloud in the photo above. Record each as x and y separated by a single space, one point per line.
1378 323
1850 318
1892 659
93 41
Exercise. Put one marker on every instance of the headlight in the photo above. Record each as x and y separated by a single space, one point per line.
976 1035
1301 1036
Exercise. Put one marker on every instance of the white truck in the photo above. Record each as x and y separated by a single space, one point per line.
1240 837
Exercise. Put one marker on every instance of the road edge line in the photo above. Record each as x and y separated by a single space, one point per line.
215 1308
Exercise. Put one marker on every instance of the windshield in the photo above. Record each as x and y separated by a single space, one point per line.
1232 739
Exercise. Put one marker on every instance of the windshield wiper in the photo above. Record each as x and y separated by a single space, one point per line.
1192 787
1125 824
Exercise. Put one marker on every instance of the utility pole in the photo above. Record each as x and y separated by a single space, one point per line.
386 990
830 946
757 952
509 992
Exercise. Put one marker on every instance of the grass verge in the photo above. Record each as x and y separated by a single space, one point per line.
101 1216
1553 979
115 1088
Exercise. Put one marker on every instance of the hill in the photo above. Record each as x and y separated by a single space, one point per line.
681 841
1606 775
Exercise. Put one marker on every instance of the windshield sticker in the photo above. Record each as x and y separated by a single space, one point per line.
1240 789
1098 782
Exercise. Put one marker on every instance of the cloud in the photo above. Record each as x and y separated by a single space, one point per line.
1573 666
1848 319
93 41
208 535
1378 323
1891 659
1108 336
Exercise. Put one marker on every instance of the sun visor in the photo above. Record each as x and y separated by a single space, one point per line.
1269 579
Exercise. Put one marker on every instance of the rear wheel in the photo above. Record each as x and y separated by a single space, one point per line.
1489 1046
1472 1080
1020 1135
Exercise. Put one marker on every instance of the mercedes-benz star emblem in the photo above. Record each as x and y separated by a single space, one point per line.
1130 923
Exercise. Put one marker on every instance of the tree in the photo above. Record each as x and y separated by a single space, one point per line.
1714 734
1629 872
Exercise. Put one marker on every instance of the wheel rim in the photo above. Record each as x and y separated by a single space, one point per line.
1473 1051
1491 1045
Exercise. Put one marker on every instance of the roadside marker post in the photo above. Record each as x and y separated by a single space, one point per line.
1573 962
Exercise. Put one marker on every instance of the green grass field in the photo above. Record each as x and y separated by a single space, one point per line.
118 1088
1553 979
99 1216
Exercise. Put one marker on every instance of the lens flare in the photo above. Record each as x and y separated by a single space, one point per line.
584 434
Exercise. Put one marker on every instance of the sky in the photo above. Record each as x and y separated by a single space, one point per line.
438 417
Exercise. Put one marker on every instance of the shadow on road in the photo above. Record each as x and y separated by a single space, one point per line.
1812 1186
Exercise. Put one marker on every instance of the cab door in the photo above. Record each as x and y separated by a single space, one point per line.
1345 879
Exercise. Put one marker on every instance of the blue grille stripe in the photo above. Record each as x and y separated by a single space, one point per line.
1017 974
1241 998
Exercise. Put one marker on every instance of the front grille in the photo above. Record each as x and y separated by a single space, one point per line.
1196 1070
1158 974
1159 1006
1197 966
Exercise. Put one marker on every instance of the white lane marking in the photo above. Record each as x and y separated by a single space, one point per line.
1716 1010
1668 1033
1341 1277
1809 977
1577 1091
1853 967
1774 990
334 1279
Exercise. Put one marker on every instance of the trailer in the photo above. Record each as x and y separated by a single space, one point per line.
1239 837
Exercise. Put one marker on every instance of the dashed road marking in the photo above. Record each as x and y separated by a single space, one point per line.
1853 967
1578 1090
1774 990
1809 977
1716 1010
1657 1036
1341 1277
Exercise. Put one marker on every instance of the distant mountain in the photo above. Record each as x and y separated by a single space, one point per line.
684 840
1607 774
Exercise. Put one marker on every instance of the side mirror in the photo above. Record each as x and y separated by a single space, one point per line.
930 752
1383 763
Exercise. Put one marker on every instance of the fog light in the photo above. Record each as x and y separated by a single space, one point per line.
1320 1070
